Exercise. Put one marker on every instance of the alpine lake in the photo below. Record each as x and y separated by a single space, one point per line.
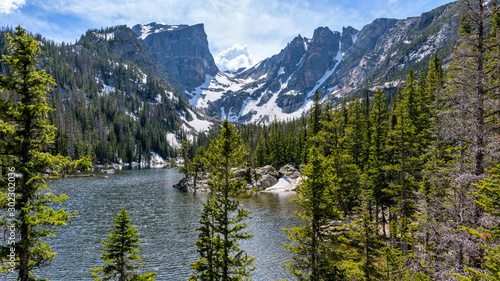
166 219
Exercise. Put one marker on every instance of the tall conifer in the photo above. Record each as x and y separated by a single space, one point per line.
320 247
25 136
220 257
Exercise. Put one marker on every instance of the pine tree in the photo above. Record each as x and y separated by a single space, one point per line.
198 164
121 254
404 155
354 132
220 257
25 136
320 247
335 140
376 171
316 111
186 168
365 235
208 247
261 157
433 217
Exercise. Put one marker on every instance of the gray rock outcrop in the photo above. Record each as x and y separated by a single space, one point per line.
182 49
263 178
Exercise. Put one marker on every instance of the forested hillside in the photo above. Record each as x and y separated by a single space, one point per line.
105 106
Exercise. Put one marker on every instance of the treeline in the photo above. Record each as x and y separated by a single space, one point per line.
106 107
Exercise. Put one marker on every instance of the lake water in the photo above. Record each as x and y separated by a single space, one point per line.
166 220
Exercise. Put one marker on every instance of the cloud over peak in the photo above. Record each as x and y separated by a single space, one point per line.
234 58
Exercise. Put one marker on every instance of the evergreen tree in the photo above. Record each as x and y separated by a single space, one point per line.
468 123
316 112
25 138
354 132
208 247
198 164
404 160
376 171
320 243
220 257
121 254
488 197
365 235
470 81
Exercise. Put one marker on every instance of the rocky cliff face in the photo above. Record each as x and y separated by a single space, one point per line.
333 63
280 85
292 74
176 54
181 49
387 47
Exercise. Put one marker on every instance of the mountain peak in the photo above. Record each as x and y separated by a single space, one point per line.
144 31
182 49
321 30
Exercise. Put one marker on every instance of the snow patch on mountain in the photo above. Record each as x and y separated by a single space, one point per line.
152 28
173 141
108 89
354 37
307 41
215 87
197 93
270 111
145 31
158 98
197 124
300 61
105 36
131 115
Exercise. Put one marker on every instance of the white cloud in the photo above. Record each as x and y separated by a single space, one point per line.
8 6
234 58
265 26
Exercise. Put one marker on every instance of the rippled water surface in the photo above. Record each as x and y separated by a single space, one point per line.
166 220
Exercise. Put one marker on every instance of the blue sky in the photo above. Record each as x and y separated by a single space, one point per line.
252 29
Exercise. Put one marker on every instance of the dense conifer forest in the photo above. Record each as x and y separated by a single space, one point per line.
126 121
395 184
395 187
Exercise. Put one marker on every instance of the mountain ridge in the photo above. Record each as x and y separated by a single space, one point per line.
332 62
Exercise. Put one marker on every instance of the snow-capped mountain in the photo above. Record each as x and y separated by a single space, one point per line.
331 62
280 86
334 63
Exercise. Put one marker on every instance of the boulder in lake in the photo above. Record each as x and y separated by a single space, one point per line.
266 181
